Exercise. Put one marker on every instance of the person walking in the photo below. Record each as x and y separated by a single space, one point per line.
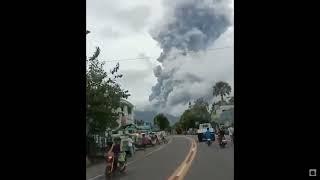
221 135
230 129
144 141
130 145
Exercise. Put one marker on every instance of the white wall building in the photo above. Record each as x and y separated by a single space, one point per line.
126 110
219 110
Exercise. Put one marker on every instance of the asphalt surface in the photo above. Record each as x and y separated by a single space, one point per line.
212 162
159 165
97 170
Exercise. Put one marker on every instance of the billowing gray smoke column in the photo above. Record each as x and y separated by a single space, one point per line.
190 26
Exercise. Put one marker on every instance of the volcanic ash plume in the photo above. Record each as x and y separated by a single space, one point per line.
188 29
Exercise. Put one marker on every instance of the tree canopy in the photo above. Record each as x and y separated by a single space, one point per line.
103 94
221 89
161 121
197 113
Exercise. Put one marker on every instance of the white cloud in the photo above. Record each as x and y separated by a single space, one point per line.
121 30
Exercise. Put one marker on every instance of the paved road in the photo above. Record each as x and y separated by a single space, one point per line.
158 165
212 163
98 169
209 162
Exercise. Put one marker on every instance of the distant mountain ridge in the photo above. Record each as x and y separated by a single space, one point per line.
148 116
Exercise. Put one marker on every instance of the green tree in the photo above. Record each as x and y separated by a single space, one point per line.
221 89
197 113
187 119
162 121
103 94
177 127
213 108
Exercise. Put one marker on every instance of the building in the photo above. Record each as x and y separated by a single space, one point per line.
129 128
223 108
126 111
144 128
223 114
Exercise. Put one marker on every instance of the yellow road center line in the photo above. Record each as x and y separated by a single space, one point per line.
182 170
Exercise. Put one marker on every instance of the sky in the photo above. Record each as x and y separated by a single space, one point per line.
126 29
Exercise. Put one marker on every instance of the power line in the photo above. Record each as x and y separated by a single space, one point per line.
147 58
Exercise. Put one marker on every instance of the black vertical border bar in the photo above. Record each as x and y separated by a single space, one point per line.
82 85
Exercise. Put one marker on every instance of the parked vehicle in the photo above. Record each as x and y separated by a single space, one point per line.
151 140
139 144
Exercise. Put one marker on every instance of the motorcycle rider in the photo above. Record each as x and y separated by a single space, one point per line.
221 135
130 145
208 134
115 148
230 129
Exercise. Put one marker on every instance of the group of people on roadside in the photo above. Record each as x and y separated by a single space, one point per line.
154 137
115 147
114 144
111 143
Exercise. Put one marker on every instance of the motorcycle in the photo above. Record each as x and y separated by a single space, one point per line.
121 165
209 142
222 142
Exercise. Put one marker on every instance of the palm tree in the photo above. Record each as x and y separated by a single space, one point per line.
221 89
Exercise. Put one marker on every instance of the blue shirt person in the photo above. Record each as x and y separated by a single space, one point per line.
208 134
